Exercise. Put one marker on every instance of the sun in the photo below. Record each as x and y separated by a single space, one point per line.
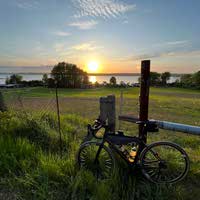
93 66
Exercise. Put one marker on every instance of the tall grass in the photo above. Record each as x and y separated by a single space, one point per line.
31 166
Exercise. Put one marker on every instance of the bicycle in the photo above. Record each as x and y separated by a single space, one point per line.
160 162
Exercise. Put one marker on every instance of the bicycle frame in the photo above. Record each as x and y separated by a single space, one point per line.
114 140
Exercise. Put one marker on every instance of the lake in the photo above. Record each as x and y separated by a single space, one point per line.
99 79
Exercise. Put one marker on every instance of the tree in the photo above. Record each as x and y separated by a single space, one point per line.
165 77
14 79
122 84
186 80
139 80
69 76
96 84
196 79
45 79
154 78
104 83
113 81
51 83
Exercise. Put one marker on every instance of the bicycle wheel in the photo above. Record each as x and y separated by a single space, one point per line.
164 162
101 167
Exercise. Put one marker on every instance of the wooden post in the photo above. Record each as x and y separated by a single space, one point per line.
111 113
2 103
107 111
144 96
103 109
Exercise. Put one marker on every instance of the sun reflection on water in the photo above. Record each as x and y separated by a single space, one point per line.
93 79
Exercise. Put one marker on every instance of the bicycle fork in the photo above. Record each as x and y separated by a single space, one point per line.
98 152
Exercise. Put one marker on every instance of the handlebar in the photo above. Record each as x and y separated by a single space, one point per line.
93 129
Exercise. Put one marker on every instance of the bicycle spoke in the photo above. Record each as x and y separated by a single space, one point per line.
101 166
151 161
164 162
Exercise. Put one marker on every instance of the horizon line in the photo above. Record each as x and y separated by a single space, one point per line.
91 74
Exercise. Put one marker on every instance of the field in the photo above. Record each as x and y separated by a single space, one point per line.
37 171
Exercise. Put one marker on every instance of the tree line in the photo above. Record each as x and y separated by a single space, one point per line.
185 80
63 75
189 81
67 75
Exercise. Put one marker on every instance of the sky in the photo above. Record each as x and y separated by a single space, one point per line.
116 34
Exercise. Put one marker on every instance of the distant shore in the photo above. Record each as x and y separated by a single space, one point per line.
90 74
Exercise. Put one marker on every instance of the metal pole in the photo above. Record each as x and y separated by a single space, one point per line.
144 97
120 106
178 127
58 116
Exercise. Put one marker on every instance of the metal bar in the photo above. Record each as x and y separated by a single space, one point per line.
144 97
195 130
178 127
128 118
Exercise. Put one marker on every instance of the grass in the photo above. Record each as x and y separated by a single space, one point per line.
30 163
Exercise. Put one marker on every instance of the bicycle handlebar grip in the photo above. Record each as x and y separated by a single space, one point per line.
93 130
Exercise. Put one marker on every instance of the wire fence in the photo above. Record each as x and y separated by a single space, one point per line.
85 107
163 106
24 101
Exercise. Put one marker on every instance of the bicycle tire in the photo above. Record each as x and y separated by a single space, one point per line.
156 170
106 161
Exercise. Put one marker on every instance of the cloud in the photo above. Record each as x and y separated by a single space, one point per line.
162 54
27 4
125 21
62 33
84 25
101 8
173 43
181 42
194 53
90 46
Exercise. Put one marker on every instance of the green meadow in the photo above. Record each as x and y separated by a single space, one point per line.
30 162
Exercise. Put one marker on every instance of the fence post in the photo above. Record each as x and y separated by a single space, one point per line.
107 111
111 113
144 96
103 109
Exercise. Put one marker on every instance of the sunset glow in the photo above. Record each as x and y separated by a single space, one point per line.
100 36
92 66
